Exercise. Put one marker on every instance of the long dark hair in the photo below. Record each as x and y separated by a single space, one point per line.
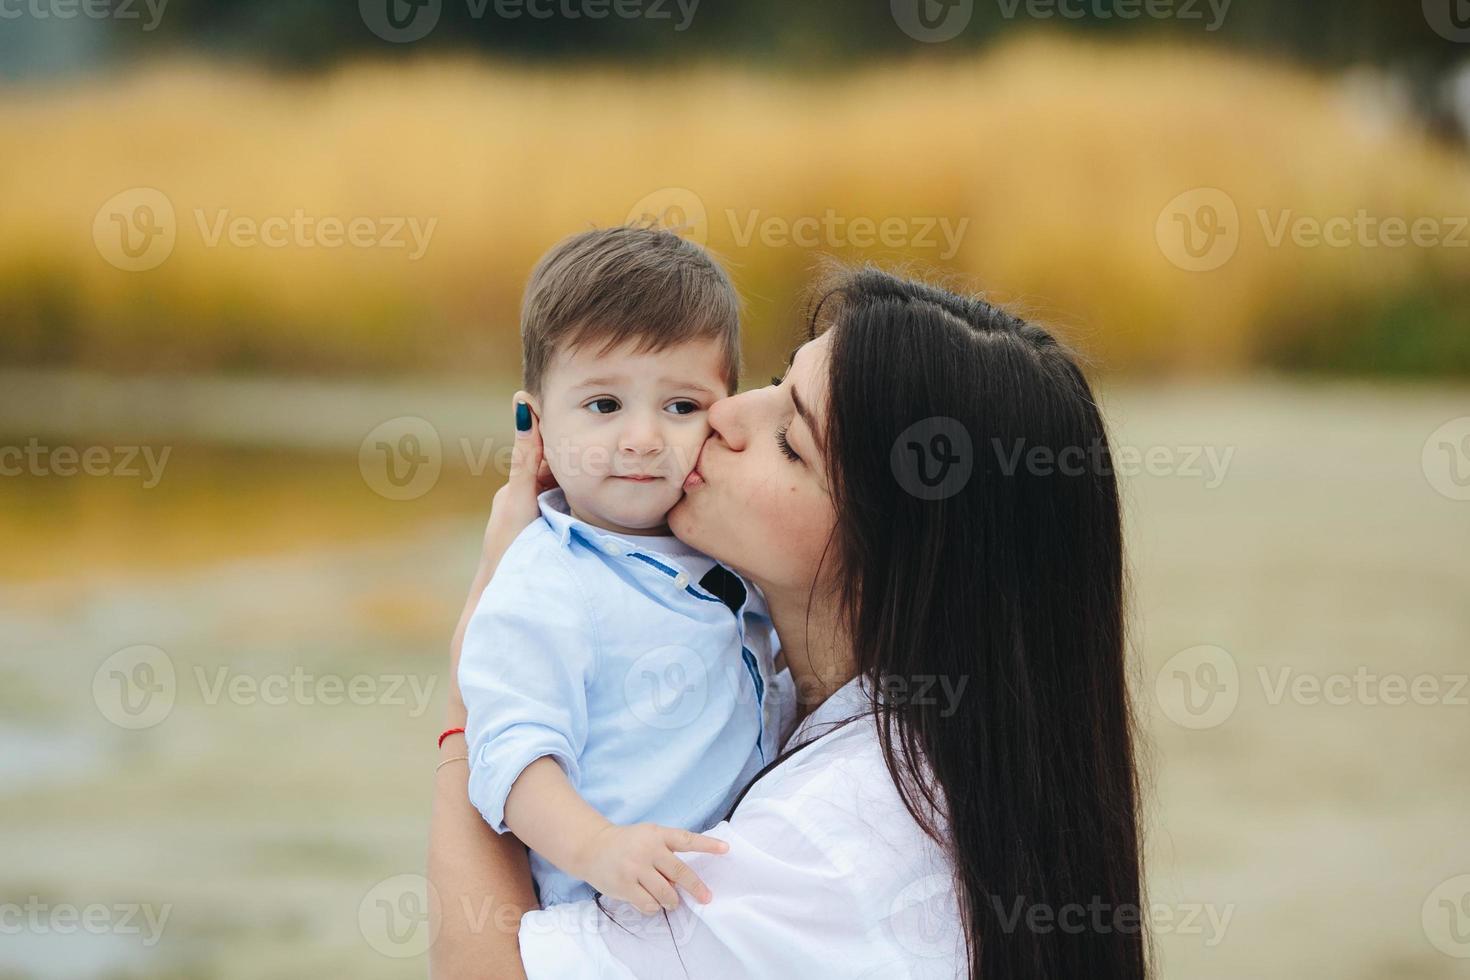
979 540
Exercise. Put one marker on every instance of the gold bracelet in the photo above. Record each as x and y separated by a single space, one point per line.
458 758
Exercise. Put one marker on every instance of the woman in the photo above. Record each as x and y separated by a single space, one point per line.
927 503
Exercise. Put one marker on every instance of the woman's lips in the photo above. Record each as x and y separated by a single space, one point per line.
696 478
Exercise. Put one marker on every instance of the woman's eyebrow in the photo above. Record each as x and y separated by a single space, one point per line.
807 418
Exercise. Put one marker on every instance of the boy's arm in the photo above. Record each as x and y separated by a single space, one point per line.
530 652
635 864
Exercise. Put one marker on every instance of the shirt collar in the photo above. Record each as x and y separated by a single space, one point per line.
558 513
553 506
843 704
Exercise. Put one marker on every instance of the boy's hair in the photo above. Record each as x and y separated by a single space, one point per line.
629 283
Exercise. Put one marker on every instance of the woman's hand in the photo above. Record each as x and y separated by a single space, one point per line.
512 510
481 879
514 506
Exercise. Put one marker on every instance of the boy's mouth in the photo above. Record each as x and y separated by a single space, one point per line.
636 479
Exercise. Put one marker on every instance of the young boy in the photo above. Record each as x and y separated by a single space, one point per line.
619 684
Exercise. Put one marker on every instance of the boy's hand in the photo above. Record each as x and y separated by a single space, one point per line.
637 864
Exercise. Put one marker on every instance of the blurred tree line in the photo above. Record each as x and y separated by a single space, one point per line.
306 34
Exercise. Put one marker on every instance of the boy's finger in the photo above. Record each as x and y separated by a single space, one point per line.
687 840
644 902
682 875
658 886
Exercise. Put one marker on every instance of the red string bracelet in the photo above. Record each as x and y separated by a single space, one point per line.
448 732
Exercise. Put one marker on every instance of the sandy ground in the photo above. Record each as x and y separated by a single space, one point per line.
1309 814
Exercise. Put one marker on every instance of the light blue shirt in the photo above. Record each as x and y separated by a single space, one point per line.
658 700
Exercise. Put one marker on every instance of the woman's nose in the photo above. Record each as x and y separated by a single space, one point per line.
728 418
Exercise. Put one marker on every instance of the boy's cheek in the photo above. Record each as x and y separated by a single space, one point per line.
685 455
569 458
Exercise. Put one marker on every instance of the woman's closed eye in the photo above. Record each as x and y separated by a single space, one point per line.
785 446
782 442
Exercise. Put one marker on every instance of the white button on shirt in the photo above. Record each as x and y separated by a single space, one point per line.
658 700
828 875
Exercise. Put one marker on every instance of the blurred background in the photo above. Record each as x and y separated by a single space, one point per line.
260 266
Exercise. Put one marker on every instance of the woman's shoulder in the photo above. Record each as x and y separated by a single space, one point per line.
834 810
841 767
837 791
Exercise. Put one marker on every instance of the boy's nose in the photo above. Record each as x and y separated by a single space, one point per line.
641 437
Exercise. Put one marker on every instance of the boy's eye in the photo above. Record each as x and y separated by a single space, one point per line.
777 381
688 407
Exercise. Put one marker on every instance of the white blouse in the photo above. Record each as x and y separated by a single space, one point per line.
828 875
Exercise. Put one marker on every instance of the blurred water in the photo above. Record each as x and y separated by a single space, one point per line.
37 757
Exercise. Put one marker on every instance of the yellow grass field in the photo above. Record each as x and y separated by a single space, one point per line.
1048 172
